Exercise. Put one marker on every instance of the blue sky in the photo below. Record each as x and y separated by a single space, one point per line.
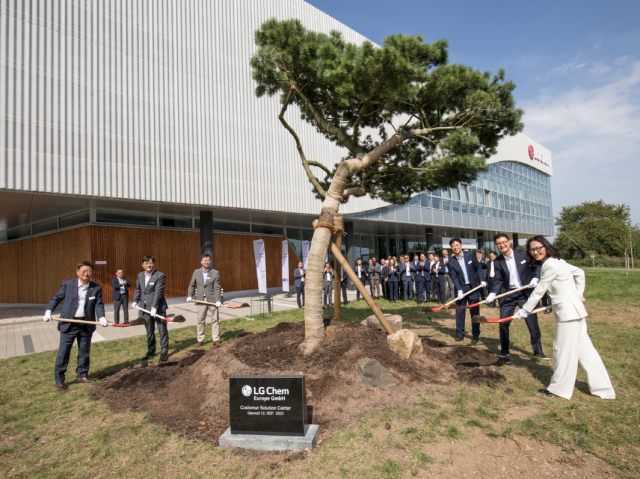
576 65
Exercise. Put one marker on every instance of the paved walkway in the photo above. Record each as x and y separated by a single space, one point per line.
18 339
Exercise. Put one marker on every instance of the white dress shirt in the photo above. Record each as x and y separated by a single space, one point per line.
492 273
122 290
514 276
82 297
205 275
328 276
359 268
146 278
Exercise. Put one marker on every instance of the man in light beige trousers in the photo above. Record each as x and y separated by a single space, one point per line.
206 282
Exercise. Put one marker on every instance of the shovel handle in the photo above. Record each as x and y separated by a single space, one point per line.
509 318
485 301
457 299
95 323
149 312
205 302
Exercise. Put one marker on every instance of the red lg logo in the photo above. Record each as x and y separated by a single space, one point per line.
532 153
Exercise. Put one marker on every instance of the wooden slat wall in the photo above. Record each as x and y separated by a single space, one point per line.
31 270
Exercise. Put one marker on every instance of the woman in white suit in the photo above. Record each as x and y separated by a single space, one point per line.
572 346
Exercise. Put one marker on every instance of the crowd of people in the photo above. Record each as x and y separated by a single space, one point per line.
523 278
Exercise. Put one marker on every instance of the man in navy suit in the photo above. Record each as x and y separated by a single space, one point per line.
438 270
299 275
82 300
512 271
422 277
466 274
406 276
344 282
361 273
120 296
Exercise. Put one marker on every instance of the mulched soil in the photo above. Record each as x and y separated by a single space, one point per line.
190 393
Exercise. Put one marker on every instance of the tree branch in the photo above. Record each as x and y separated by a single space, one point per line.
354 192
305 163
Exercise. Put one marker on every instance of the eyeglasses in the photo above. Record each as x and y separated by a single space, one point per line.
536 250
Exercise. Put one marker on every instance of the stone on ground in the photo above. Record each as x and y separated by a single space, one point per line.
374 375
404 342
395 321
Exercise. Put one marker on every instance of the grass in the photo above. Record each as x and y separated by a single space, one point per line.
46 434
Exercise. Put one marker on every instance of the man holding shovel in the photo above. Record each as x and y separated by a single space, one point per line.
82 300
150 294
512 271
206 280
466 274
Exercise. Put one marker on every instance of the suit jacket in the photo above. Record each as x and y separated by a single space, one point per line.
565 285
422 269
392 277
438 268
326 283
151 296
69 293
474 271
298 276
483 261
374 271
210 289
116 288
526 271
403 271
344 278
415 268
364 274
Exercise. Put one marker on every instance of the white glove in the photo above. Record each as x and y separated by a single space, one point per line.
103 322
491 298
47 315
218 304
521 314
483 284
133 305
189 299
534 283
153 312
460 294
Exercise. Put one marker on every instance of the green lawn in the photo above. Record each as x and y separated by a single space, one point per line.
45 433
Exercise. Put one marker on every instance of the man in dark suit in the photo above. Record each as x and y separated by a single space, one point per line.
423 278
206 282
405 278
512 271
466 274
490 272
327 285
299 275
344 282
483 262
120 296
361 273
83 301
150 294
438 270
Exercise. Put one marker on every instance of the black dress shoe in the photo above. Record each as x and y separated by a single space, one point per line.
541 356
61 386
148 356
163 358
459 338
85 380
127 322
547 393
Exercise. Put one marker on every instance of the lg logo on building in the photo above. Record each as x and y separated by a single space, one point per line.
246 391
537 155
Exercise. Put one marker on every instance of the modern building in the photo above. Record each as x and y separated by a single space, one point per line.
130 128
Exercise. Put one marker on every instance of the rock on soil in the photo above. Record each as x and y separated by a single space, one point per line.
406 343
192 389
395 321
374 375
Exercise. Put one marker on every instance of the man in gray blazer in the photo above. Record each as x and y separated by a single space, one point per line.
150 295
206 281
299 274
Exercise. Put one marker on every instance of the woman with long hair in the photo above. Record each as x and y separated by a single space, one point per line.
572 346
393 276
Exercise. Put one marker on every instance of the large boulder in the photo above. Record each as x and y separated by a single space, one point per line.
404 342
374 375
395 321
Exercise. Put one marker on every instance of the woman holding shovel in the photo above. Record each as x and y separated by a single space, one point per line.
572 346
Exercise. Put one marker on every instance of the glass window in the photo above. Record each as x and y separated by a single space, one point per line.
425 201
307 234
44 226
480 210
487 198
494 200
446 205
464 208
455 206
480 196
455 194
74 219
464 194
232 226
502 213
512 202
17 233
473 209
436 203
435 193
171 222
267 230
472 195
492 168
124 217
415 201
3 236
446 193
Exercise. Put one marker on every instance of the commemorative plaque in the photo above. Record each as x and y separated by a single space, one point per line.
268 405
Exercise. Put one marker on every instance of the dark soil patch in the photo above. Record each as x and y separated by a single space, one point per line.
190 394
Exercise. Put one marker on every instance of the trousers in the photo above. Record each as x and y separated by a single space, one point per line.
150 325
344 284
572 347
363 281
393 290
375 286
461 313
327 297
300 292
507 307
117 304
202 313
451 293
83 335
408 288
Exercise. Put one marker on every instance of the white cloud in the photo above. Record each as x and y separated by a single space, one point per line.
593 134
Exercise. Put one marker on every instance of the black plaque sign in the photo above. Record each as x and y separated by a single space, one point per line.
269 405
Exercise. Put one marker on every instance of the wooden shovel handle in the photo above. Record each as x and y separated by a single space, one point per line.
205 302
508 293
458 299
535 311
76 321
149 312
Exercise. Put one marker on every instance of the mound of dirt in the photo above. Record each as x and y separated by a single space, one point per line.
191 394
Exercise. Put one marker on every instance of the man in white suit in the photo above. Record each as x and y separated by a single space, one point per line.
572 346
